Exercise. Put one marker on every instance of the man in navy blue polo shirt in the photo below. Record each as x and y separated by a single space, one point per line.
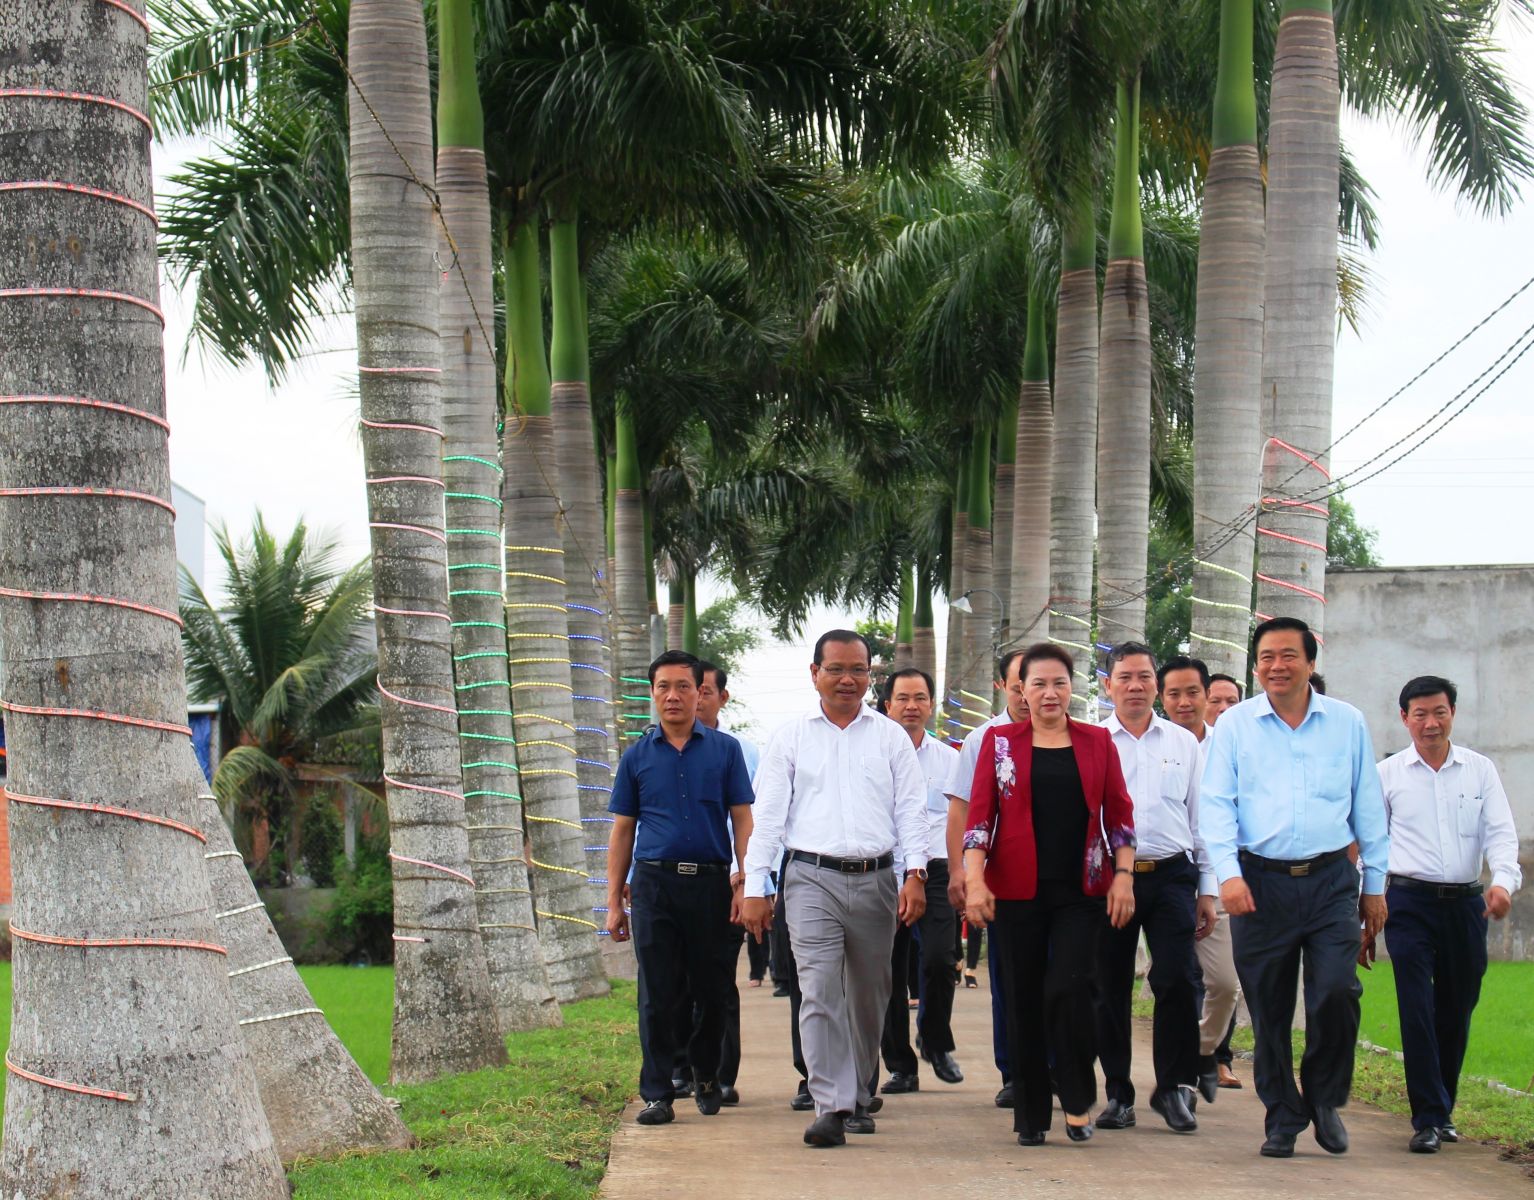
678 789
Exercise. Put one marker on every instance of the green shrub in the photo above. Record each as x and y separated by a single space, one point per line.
320 839
361 920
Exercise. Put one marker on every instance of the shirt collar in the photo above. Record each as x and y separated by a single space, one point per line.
864 712
699 730
1264 707
1412 757
1116 726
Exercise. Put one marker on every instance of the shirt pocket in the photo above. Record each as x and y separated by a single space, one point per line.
1174 780
878 779
1331 777
1468 817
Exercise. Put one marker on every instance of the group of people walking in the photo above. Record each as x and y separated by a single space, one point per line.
1239 838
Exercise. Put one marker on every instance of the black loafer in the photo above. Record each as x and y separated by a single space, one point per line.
655 1112
875 1103
1209 1084
708 1097
945 1066
1331 1136
728 1096
899 1083
682 1087
859 1121
1425 1141
828 1129
1447 1133
1079 1133
1278 1145
1004 1098
1117 1116
1174 1110
1030 1139
802 1101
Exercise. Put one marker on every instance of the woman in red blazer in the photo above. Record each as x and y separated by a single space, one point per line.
1050 844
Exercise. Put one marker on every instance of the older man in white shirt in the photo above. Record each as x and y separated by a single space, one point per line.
841 789
1174 900
1447 812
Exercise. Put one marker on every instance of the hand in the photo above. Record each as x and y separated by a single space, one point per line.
756 915
1498 903
737 894
979 903
913 900
618 919
1121 900
1236 897
956 887
1366 954
1372 909
1206 918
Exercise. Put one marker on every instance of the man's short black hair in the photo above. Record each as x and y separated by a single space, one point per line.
1182 662
1427 685
721 680
678 658
1006 661
1129 650
1221 677
1318 682
905 673
1274 624
841 635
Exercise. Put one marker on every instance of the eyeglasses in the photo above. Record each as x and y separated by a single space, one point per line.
852 672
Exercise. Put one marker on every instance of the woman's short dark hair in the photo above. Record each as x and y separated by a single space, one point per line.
906 673
1046 652
678 658
1428 685
1274 624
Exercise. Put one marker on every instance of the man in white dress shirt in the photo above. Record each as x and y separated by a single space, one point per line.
1009 671
842 790
1174 900
908 702
1184 684
1447 812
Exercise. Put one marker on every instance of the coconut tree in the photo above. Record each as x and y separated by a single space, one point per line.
978 628
122 1024
444 1014
905 618
1033 436
472 474
1005 503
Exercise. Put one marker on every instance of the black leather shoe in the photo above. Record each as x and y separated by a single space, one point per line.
1030 1139
1004 1097
1174 1110
829 1129
1330 1134
802 1101
1117 1116
780 990
859 1122
1447 1133
1278 1145
1190 1098
945 1066
728 1096
1425 1141
1079 1133
875 1103
1208 1078
708 1097
682 1087
656 1112
899 1083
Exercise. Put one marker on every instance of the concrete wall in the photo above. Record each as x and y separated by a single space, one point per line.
1473 624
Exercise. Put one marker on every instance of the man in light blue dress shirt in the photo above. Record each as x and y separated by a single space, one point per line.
1288 786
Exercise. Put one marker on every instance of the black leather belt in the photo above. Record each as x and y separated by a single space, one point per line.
687 868
848 866
1297 867
1145 865
1444 891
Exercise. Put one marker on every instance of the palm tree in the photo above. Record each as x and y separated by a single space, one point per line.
978 626
127 1028
1034 438
1003 511
472 474
905 618
444 1014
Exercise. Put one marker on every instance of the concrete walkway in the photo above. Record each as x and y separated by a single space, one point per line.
953 1142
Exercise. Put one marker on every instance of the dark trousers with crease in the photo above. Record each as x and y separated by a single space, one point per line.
1165 909
783 960
1048 949
683 941
758 955
1438 954
932 939
1311 918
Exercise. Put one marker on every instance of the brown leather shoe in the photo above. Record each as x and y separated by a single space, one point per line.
1228 1077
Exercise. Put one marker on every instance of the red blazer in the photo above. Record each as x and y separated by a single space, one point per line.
1001 809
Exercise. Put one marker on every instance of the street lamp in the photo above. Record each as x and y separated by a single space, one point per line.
963 605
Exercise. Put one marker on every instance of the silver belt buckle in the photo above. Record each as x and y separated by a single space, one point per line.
686 868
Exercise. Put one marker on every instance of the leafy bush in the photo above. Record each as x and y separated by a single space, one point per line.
361 920
320 839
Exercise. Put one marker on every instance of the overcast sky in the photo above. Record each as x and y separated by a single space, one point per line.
1464 497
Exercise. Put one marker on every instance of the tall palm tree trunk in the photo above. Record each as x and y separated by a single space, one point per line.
1034 439
979 626
923 635
588 588
317 1100
472 472
676 612
953 644
95 692
903 615
1124 411
1227 381
1073 488
1003 515
690 635
631 613
444 1017
538 638
1299 314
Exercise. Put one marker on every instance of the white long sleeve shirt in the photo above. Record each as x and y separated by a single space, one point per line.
1444 822
1161 771
858 792
962 778
937 760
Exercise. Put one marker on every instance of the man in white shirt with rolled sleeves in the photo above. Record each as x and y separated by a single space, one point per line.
841 789
1447 812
